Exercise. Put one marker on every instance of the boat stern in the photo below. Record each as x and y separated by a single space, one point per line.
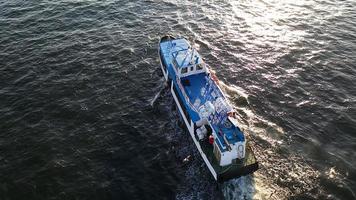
241 167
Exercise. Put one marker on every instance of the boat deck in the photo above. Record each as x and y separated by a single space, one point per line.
192 85
200 89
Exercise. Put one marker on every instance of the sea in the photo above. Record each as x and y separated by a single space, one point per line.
85 112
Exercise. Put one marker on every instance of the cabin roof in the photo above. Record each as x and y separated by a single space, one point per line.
183 54
186 57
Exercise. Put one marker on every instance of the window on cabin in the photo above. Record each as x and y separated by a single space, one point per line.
192 68
199 67
184 70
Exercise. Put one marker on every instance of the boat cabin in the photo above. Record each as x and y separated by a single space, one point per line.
188 62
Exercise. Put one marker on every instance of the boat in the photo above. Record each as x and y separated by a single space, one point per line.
209 118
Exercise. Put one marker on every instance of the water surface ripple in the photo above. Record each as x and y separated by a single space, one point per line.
85 114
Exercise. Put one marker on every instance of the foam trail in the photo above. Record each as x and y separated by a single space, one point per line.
162 87
241 188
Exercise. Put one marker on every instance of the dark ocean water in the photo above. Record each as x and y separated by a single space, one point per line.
84 113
